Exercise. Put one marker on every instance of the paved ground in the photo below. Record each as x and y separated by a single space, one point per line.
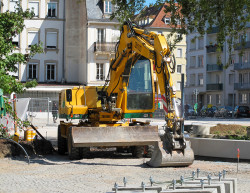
56 173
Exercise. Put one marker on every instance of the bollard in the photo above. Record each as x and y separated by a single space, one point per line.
182 180
224 174
125 181
193 175
198 172
174 184
202 184
116 187
220 175
151 180
143 186
209 179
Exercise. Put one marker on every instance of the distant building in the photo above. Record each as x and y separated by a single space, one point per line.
217 85
155 19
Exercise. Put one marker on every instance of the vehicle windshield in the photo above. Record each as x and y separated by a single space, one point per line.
139 90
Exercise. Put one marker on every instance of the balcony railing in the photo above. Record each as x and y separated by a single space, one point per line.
241 86
241 46
241 66
211 87
104 47
214 67
212 48
213 30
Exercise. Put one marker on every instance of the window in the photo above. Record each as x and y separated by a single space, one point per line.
192 61
52 9
32 38
178 85
16 72
178 68
193 44
167 20
51 72
15 41
34 6
200 61
13 5
218 99
209 99
232 59
200 79
51 40
100 35
107 6
231 78
32 70
99 72
179 53
201 42
243 98
192 79
179 36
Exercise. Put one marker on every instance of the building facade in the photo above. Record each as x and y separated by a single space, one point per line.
211 83
90 39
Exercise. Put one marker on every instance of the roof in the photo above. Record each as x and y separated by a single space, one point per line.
95 11
157 14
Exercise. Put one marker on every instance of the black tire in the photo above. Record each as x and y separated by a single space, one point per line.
74 153
149 151
84 152
61 142
138 151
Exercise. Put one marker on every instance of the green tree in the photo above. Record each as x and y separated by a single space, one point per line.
228 16
12 24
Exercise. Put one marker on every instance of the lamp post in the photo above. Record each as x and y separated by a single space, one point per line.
233 71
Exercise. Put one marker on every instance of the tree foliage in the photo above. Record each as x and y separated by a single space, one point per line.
12 24
229 17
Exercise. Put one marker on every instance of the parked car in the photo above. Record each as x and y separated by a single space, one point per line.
189 110
242 111
223 111
208 111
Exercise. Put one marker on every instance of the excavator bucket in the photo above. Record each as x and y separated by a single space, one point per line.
114 136
162 157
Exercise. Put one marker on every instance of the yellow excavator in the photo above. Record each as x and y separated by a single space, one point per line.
129 92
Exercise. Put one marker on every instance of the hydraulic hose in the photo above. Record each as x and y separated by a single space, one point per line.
21 148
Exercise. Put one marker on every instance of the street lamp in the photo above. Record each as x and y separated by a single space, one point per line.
233 71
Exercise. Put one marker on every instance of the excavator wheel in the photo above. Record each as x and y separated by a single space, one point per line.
84 152
74 153
149 151
138 151
61 142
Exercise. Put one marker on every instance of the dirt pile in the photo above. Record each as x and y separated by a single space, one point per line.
37 147
225 130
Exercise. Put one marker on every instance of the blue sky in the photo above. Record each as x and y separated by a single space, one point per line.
150 1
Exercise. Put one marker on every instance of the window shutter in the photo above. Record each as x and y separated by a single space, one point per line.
32 38
51 41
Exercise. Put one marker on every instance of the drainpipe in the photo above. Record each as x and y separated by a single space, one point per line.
63 61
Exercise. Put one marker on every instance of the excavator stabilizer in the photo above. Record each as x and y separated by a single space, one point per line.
114 136
162 157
